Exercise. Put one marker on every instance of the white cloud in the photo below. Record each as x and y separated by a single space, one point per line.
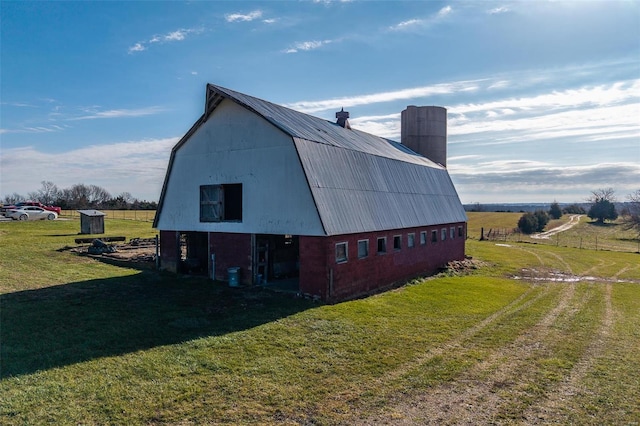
421 23
175 35
18 104
138 47
35 129
307 45
408 24
118 163
529 181
119 113
444 11
500 84
411 93
498 10
239 17
172 36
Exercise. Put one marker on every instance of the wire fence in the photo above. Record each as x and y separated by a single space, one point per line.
141 215
610 240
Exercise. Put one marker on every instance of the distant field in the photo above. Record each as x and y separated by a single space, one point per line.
538 334
586 235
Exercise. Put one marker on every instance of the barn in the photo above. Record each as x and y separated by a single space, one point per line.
261 194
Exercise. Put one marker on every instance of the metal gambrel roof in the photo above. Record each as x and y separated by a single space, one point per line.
358 192
307 127
359 182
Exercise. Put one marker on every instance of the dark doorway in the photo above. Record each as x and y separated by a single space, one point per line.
276 259
194 252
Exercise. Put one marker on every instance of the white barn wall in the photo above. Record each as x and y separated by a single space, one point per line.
237 146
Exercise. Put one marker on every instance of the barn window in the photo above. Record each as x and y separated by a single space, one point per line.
397 242
434 236
423 238
221 203
382 245
459 231
341 252
411 240
452 232
363 248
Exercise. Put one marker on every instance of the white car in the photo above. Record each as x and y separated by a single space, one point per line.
31 213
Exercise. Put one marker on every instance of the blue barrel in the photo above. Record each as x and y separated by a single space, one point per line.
233 274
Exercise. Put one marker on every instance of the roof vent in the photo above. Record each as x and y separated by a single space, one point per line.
342 117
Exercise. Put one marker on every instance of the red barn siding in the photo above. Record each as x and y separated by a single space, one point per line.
231 250
169 250
322 276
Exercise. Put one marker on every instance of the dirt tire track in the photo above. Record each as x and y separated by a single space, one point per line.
475 398
625 269
513 307
551 409
601 264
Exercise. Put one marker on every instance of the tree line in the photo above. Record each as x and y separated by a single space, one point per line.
81 196
602 209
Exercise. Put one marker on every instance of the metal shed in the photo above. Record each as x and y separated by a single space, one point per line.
91 222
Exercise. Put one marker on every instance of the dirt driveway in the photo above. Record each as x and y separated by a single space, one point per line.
574 219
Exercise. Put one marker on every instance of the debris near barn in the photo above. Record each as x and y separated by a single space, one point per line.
137 253
462 267
100 247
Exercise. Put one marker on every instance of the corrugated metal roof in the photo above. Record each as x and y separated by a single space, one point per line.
360 182
357 192
308 127
91 213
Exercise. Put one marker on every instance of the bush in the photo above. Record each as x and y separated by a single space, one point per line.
603 210
542 218
533 222
555 212
574 209
528 223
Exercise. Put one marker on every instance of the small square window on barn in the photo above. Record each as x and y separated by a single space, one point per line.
363 248
460 231
434 236
341 252
411 240
452 232
423 238
221 203
397 242
443 234
382 245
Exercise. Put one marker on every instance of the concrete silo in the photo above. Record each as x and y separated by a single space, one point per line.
424 130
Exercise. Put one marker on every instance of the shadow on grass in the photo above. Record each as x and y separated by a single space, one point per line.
603 224
66 324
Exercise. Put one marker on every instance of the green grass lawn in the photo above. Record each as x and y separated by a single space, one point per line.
85 342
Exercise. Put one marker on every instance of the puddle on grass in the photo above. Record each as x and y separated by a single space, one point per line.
561 277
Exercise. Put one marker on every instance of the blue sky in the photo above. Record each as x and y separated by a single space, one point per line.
543 97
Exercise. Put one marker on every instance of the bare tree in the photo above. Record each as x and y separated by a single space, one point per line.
602 194
13 198
631 217
98 195
49 192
